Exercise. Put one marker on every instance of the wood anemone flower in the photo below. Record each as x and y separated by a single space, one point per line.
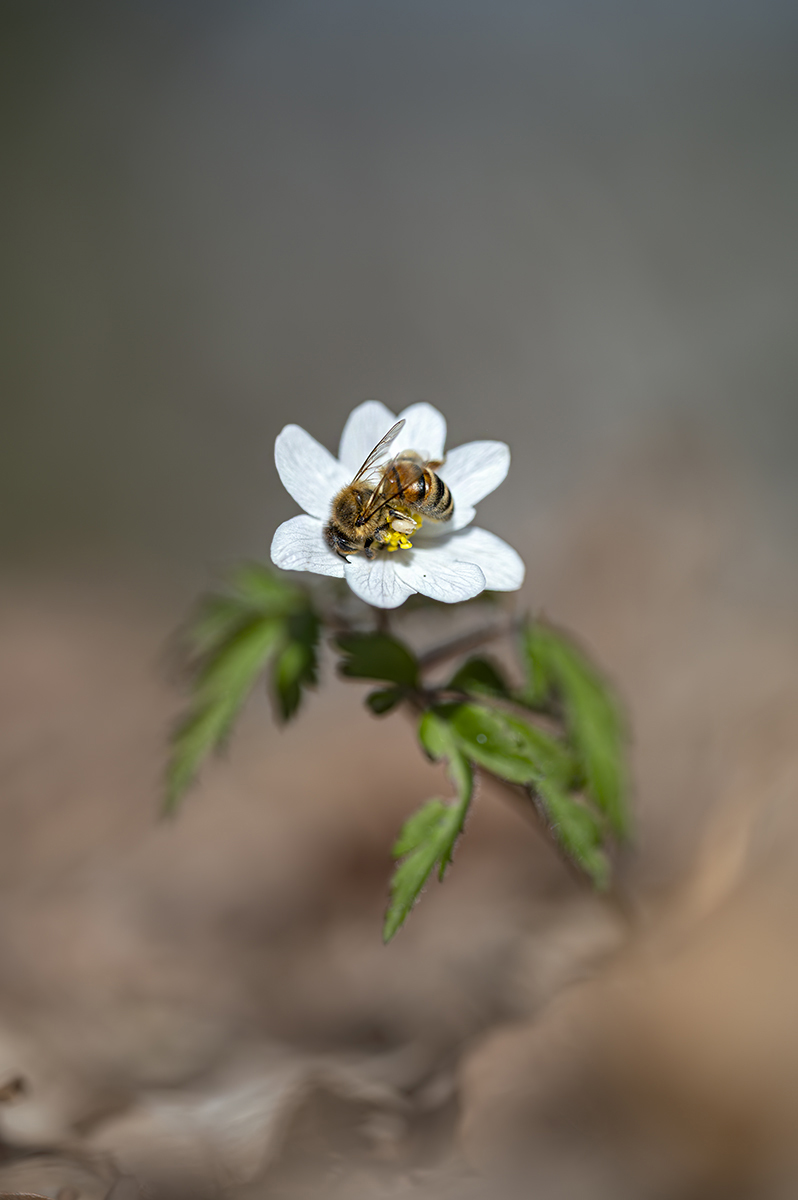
449 562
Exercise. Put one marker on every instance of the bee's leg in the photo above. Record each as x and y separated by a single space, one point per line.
367 550
382 534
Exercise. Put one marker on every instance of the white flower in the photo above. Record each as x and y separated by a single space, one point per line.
447 561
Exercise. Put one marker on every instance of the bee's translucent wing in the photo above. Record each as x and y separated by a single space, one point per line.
379 450
382 497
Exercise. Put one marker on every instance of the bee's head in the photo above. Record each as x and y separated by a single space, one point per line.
338 542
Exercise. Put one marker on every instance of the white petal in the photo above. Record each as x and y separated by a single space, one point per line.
441 578
424 431
365 426
298 546
378 582
308 471
473 471
502 566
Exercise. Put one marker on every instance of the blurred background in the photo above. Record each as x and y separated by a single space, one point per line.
570 226
571 222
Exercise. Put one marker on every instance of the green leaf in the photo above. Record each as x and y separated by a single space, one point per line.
231 639
592 714
296 665
478 676
384 700
512 749
506 745
222 685
434 734
377 656
537 690
195 737
518 752
578 831
438 740
254 590
426 840
419 828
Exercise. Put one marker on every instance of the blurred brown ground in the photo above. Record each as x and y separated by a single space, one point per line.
208 1001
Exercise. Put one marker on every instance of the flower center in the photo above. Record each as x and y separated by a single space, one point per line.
400 526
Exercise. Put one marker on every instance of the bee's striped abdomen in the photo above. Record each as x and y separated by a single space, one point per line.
420 489
436 499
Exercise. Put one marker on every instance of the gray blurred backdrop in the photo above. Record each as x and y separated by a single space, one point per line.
570 225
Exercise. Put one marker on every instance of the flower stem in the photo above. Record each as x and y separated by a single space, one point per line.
466 642
383 621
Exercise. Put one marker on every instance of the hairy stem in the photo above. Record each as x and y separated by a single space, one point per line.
465 642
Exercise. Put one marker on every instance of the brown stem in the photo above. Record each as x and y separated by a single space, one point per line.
465 642
383 621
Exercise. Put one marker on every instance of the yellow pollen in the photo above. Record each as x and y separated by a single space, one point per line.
397 541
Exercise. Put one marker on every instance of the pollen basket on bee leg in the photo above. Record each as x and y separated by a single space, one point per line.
402 523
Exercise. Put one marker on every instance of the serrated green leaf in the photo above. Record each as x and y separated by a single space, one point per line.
537 689
295 667
229 673
507 746
254 591
419 827
518 752
438 742
223 685
202 731
577 830
232 638
593 718
377 656
384 700
426 840
437 739
478 676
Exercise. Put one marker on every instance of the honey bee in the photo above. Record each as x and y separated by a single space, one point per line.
370 516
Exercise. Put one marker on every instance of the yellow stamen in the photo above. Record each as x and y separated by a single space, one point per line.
397 541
